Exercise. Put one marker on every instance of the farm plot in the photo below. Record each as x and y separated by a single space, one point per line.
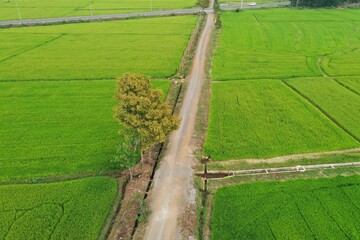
64 210
264 118
52 128
298 209
45 9
286 43
102 50
335 100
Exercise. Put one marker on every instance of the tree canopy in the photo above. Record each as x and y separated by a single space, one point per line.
142 110
321 3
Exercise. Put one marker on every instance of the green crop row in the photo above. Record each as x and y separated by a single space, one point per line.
298 209
64 210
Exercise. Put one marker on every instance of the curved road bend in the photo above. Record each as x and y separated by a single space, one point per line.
173 190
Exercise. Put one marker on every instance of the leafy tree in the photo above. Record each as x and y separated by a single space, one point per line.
321 3
142 110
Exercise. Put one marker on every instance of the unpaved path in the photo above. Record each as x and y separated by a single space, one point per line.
293 157
173 190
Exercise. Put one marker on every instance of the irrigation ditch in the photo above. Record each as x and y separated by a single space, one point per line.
208 183
301 168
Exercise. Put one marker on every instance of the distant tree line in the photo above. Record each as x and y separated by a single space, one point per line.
321 3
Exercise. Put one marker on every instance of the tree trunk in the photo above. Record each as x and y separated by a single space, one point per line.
131 173
142 157
149 156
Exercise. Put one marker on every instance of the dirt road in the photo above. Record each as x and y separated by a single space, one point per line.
173 190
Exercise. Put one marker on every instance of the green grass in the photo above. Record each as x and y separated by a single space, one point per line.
52 128
298 209
285 43
64 210
339 102
265 118
57 8
99 50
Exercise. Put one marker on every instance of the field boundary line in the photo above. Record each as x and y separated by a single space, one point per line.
332 119
324 73
59 178
346 86
30 49
71 80
220 174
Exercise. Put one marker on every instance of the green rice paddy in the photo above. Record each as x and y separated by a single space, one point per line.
65 210
297 209
299 110
58 128
263 118
334 99
100 50
57 89
285 43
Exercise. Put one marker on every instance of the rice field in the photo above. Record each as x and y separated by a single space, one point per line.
99 50
64 210
297 209
334 99
272 98
57 89
58 128
286 43
263 118
65 8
